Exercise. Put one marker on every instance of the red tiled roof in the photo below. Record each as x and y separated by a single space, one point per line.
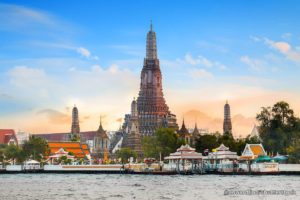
6 135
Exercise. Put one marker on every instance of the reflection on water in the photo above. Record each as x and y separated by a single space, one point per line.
125 186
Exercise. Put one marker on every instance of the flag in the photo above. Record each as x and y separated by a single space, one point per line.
205 150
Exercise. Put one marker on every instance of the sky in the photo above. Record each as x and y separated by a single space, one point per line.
57 54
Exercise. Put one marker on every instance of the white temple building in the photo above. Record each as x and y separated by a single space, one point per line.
184 159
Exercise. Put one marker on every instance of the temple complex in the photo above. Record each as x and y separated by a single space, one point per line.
75 129
153 111
101 143
227 127
132 139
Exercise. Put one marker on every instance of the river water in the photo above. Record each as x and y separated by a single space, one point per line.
126 186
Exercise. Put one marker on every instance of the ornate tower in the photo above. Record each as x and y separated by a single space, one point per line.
101 143
132 140
227 127
153 111
75 129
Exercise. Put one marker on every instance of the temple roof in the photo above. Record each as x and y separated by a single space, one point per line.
196 131
79 150
101 132
183 131
6 135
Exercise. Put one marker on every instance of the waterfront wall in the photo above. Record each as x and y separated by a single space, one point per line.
289 167
82 167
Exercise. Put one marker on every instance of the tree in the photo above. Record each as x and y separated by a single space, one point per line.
206 142
278 127
294 152
12 152
62 159
125 154
75 138
35 148
68 161
2 153
214 140
164 142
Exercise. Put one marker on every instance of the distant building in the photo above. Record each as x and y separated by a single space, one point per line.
8 136
101 143
227 126
132 140
184 134
255 133
65 137
75 129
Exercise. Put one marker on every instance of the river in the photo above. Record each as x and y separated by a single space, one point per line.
126 186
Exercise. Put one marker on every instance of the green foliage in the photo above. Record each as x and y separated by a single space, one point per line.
2 153
62 159
35 148
279 127
75 138
70 153
213 141
13 152
125 154
166 141
68 161
294 152
206 142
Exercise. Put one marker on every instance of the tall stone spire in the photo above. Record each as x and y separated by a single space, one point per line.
153 111
227 126
75 129
151 50
133 139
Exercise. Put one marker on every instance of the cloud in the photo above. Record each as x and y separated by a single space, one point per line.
255 64
56 117
285 49
199 61
241 125
84 52
80 50
286 36
14 17
200 74
255 39
31 76
119 120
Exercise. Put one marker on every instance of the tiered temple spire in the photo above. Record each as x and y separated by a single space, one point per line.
153 111
227 126
75 129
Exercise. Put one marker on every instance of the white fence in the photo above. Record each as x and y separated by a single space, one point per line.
14 168
83 167
289 167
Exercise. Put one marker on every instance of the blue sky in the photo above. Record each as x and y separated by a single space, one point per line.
54 54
